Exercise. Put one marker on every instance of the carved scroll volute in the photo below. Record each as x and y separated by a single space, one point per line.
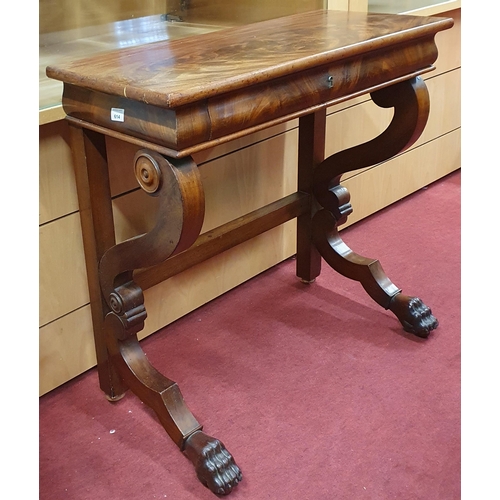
410 100
179 220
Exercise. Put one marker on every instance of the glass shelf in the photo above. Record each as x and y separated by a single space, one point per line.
422 7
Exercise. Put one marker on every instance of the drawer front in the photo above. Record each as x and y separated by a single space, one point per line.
224 117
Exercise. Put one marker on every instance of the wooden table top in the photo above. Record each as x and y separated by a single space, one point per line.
173 73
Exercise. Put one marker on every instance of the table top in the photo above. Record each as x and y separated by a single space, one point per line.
174 73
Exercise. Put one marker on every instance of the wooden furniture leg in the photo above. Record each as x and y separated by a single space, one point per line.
410 100
96 217
312 130
118 303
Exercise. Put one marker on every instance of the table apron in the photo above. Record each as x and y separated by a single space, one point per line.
197 126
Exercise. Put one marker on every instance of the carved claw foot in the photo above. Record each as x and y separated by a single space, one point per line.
414 315
214 465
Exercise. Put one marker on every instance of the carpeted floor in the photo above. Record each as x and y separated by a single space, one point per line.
317 392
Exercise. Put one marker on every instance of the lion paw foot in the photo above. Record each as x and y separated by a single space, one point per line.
414 315
215 467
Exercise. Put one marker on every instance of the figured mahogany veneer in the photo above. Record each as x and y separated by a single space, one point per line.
173 98
191 93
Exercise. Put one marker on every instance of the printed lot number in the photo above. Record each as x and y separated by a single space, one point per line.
117 114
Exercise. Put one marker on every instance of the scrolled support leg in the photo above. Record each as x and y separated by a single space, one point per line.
179 221
413 314
177 183
157 391
214 465
160 393
410 100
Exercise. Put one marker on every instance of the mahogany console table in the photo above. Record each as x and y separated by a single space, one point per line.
174 98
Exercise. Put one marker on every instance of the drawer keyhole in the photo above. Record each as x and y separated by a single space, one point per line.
330 82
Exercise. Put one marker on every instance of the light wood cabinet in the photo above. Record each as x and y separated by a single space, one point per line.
256 170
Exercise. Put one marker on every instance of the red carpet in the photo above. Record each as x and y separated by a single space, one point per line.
316 391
